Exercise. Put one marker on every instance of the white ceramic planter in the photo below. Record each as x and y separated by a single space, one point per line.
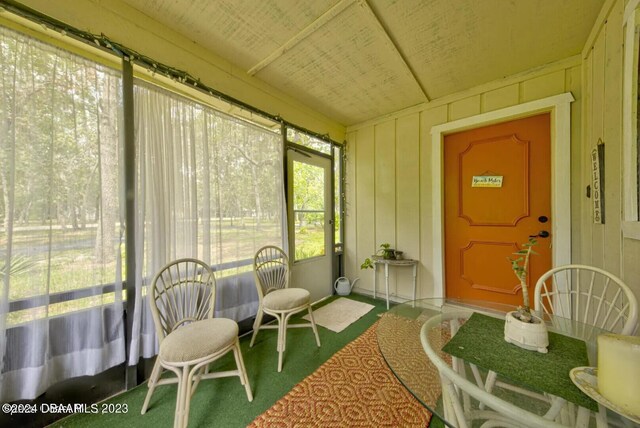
532 336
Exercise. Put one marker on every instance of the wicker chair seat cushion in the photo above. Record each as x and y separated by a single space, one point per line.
198 340
286 298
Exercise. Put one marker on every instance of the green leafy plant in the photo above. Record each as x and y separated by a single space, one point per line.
384 250
18 265
520 266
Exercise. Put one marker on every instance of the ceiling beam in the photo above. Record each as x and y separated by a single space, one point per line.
319 22
367 8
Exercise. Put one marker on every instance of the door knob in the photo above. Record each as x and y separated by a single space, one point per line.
541 234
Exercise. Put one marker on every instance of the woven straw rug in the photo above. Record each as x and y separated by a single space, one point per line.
354 388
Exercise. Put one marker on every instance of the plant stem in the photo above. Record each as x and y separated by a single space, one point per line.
523 280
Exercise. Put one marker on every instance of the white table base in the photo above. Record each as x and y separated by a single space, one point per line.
391 262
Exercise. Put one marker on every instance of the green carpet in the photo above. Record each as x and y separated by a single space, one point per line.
223 402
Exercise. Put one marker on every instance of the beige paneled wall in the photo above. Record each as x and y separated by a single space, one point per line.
604 245
408 174
384 185
388 180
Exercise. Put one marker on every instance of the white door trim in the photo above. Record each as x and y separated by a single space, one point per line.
559 106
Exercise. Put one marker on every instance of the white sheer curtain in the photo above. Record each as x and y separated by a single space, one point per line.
209 186
60 217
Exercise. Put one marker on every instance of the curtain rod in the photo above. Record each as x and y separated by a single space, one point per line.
104 43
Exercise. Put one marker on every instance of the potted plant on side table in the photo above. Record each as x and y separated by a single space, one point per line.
385 251
521 327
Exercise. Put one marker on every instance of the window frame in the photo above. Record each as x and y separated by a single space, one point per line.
631 165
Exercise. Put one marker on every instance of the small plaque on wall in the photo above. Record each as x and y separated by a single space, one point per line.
597 175
487 181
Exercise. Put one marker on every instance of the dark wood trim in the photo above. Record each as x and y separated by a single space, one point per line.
131 375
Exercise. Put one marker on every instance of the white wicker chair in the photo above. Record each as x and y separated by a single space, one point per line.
589 295
182 300
272 274
457 391
594 298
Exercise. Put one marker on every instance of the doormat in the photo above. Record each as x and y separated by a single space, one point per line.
354 388
339 314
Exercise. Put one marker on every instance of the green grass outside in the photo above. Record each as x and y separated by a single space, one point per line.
73 269
309 241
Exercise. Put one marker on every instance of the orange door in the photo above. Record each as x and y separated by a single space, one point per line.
485 225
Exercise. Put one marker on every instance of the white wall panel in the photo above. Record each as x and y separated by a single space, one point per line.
408 194
596 125
500 98
365 204
573 83
543 86
464 108
428 119
612 138
385 194
603 245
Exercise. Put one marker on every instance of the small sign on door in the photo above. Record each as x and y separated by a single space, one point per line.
487 181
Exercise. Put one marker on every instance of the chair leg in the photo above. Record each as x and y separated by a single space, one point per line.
189 388
489 384
286 318
198 377
182 378
281 339
449 413
457 407
313 326
244 378
151 384
582 418
601 417
256 326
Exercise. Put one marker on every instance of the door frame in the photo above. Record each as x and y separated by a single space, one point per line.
307 151
559 108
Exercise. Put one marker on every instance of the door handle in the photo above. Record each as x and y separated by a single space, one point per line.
541 234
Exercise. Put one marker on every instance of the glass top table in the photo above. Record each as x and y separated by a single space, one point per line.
399 340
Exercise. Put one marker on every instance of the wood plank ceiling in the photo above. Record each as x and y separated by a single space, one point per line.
355 60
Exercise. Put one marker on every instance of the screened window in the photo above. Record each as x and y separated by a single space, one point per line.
61 227
295 136
211 184
308 210
210 187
